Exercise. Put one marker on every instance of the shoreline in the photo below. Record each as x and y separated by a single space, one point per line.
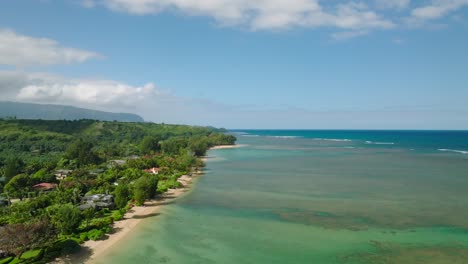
206 158
227 146
91 250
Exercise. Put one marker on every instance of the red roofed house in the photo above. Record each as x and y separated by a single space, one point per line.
152 170
45 186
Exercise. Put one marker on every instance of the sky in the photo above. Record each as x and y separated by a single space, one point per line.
296 64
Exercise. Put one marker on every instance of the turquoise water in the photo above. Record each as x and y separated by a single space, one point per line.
317 197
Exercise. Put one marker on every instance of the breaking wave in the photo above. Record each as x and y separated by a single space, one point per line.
380 143
334 139
454 150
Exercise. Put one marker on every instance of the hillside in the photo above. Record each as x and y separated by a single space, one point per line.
60 112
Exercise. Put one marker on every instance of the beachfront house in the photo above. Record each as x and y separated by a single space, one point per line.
62 174
45 187
116 163
96 172
154 170
97 201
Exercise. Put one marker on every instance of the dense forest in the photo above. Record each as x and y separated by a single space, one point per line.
65 182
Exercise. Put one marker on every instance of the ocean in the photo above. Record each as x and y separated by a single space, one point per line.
317 196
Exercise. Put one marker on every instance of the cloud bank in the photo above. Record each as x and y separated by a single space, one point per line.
348 16
260 14
157 105
20 50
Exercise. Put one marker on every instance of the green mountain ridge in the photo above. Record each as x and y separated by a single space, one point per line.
61 112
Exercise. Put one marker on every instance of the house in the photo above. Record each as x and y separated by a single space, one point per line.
62 174
116 163
96 172
133 157
154 171
45 186
97 201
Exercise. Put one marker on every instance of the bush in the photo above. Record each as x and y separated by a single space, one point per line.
32 255
69 246
65 217
84 236
101 222
122 195
95 234
145 188
15 261
118 215
61 247
6 260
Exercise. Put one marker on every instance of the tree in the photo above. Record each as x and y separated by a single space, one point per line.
150 144
13 167
174 145
18 238
199 146
145 188
133 174
122 195
18 186
65 217
82 151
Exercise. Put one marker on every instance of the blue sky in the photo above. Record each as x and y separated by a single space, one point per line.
244 64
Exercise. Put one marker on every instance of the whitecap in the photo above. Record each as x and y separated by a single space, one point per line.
454 150
380 143
285 137
333 139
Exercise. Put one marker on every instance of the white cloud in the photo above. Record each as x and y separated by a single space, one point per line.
437 9
154 104
20 50
260 14
105 94
393 4
100 94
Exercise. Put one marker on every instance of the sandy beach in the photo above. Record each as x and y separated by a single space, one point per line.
93 249
228 146
206 158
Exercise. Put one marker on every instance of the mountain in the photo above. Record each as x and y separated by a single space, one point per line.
60 112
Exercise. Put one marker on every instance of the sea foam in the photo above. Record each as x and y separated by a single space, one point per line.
285 137
454 150
380 143
334 139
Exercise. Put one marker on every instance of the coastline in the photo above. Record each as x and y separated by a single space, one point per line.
228 146
91 250
206 158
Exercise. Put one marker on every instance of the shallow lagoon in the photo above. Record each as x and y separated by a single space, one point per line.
313 200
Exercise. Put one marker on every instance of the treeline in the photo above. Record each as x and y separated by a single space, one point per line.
102 158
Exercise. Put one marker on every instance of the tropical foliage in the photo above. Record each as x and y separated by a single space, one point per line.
96 157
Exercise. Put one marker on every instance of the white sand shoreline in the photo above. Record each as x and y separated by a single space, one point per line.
206 158
91 250
228 146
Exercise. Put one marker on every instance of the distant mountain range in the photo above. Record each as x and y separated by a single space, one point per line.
60 112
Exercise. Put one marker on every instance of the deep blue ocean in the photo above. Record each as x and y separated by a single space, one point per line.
418 140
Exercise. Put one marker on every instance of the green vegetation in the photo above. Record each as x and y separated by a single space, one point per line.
70 180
